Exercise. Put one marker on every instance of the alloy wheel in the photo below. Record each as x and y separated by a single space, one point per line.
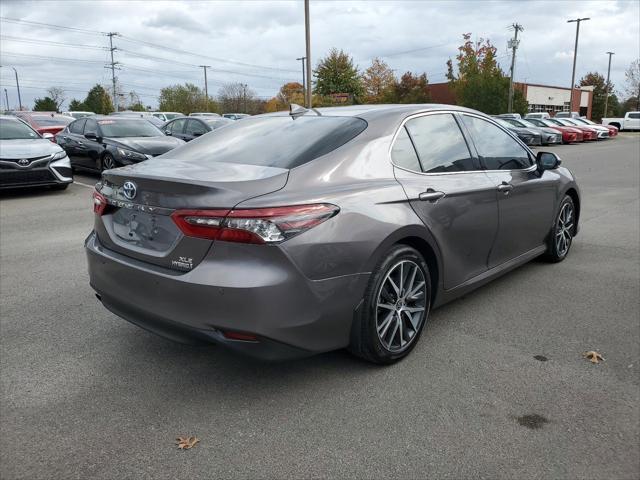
108 163
564 230
401 306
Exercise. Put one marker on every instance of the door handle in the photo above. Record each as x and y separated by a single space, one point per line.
505 188
431 195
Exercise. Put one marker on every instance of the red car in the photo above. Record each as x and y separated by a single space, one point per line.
613 131
588 132
569 134
46 122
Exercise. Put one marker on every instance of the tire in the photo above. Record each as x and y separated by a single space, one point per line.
378 332
562 232
107 162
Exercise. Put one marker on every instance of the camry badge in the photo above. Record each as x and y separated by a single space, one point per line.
129 189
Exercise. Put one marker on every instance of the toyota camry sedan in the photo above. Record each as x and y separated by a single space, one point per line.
27 159
295 233
104 142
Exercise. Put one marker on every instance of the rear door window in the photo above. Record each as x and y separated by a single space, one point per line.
272 141
440 144
497 149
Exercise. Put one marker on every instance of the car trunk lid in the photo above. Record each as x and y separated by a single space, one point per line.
142 197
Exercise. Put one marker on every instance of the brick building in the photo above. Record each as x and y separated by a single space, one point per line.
541 98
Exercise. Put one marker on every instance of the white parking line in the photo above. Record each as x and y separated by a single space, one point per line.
75 182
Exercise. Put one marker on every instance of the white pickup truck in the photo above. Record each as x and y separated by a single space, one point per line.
630 121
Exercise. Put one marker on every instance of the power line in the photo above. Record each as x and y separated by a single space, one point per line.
142 42
49 25
50 42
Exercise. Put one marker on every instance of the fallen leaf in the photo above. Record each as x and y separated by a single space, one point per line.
594 356
185 443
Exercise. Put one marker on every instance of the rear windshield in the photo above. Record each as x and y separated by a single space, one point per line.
282 142
128 128
51 121
15 130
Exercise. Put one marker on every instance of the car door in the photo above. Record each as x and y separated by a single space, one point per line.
90 148
176 128
526 199
68 139
450 193
194 128
632 122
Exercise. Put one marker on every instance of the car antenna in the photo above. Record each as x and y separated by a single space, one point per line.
296 110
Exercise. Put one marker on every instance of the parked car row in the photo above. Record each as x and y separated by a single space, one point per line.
541 129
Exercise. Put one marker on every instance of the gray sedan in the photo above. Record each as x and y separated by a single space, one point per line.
527 135
290 234
548 136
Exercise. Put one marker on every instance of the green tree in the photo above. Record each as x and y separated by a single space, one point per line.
187 98
411 89
46 104
76 105
98 101
480 83
378 81
336 73
597 81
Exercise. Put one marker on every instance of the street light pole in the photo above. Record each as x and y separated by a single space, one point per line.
575 55
304 80
6 98
308 56
606 87
18 88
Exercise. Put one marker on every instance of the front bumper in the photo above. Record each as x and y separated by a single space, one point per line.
291 315
37 173
552 139
531 139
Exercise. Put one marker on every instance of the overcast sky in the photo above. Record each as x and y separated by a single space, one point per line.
257 42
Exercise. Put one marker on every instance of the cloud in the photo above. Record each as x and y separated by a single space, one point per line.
251 34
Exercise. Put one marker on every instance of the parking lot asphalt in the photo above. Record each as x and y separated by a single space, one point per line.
84 394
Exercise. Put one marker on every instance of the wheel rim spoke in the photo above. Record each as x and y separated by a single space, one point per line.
401 305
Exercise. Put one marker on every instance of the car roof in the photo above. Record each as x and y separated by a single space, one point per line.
375 111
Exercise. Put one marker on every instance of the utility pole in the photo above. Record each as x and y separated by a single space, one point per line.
513 45
18 88
6 98
308 56
575 55
244 97
304 80
606 87
206 85
113 68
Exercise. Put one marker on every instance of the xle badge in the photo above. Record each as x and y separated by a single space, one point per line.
183 263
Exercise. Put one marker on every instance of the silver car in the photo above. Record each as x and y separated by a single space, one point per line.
290 234
28 159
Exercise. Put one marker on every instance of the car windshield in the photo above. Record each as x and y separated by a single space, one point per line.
171 116
47 121
583 121
128 128
16 130
568 123
505 122
526 123
555 121
277 141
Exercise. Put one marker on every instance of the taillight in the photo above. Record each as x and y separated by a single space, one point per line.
253 225
99 203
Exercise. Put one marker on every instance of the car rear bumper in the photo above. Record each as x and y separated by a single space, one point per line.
290 315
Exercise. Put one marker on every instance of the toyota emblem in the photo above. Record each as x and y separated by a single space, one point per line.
23 162
129 189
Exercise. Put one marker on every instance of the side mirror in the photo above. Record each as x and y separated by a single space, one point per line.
92 136
197 134
48 136
167 132
547 161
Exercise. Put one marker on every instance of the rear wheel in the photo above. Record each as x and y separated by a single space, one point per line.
561 235
395 307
